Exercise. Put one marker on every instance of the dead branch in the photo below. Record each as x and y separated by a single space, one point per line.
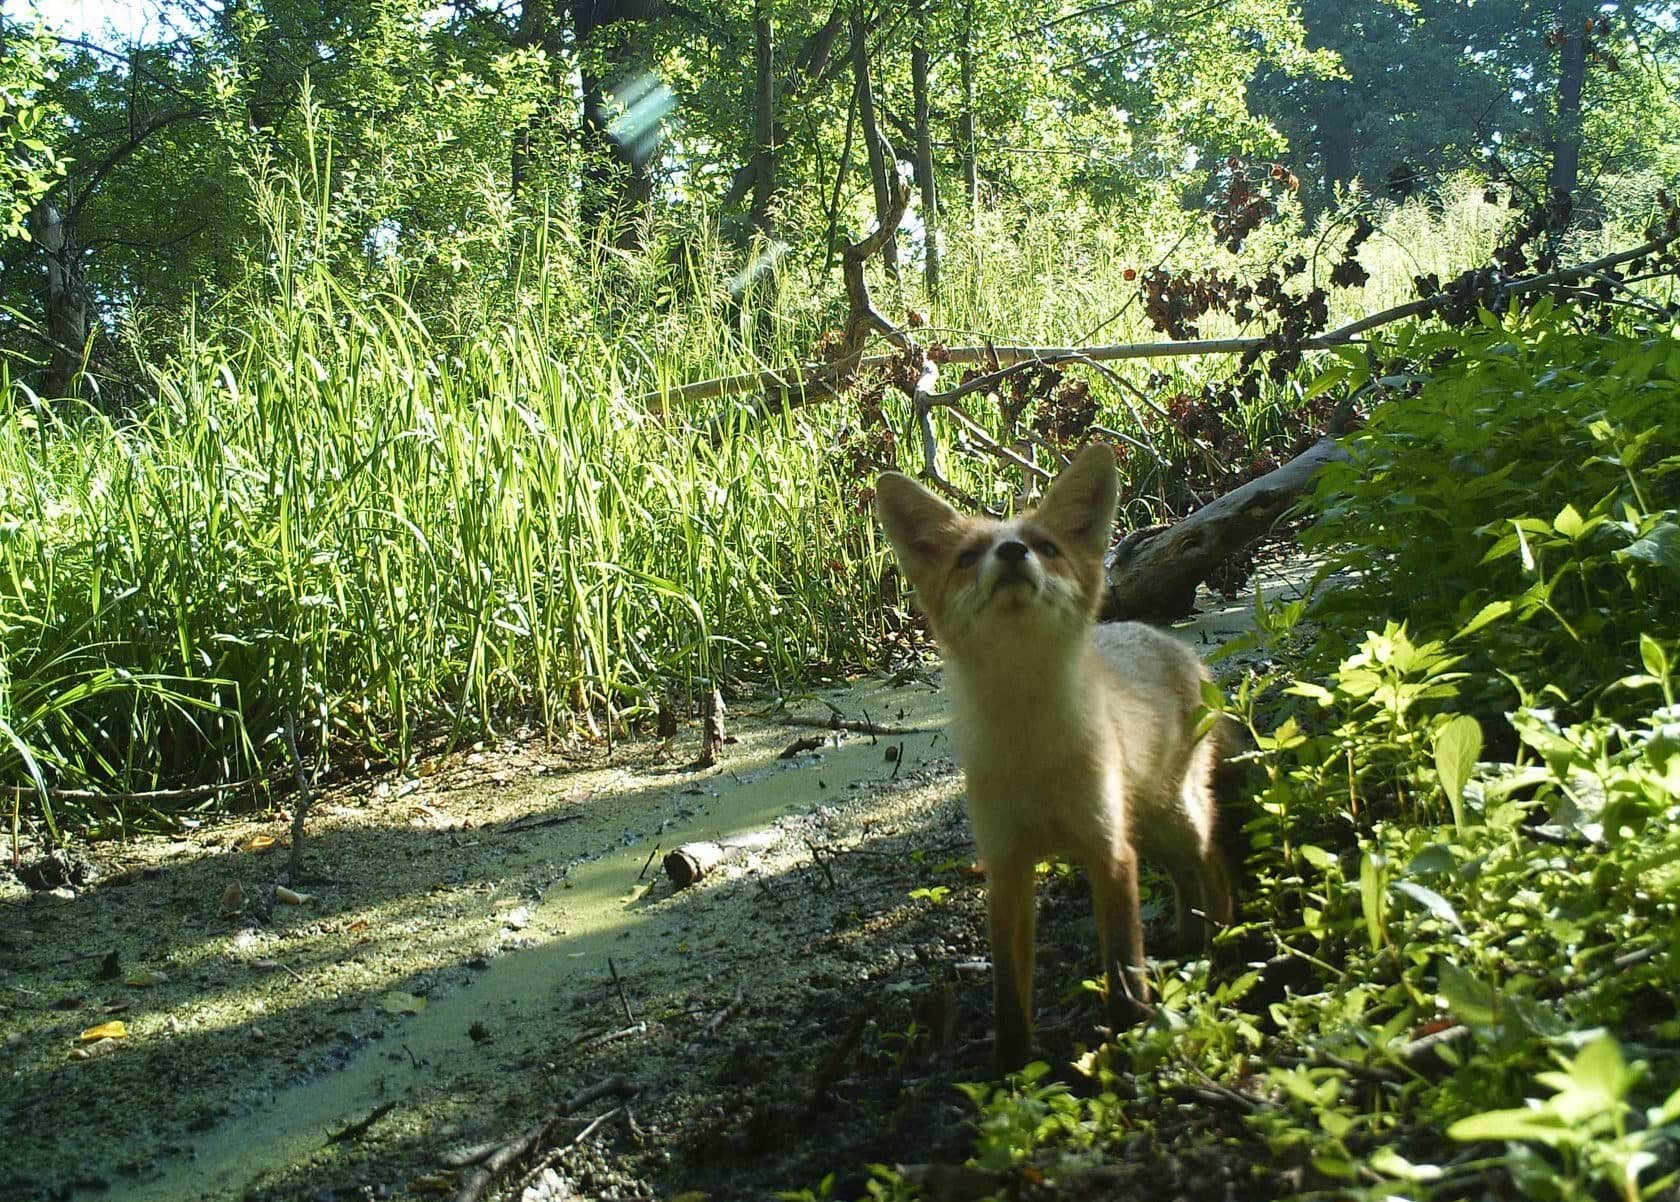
497 1158
1153 573
356 1129
300 811
712 737
812 384
856 728
150 797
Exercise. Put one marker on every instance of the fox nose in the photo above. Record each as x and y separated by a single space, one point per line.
1012 551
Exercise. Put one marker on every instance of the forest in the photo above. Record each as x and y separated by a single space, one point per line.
466 733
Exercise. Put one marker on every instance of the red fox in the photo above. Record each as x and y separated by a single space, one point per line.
1077 740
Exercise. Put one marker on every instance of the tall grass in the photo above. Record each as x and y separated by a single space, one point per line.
383 524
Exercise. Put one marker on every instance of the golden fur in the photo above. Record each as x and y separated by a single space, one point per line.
1077 740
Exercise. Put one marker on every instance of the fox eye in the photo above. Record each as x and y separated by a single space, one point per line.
1048 549
968 558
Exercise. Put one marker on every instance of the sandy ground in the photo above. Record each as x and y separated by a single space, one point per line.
490 938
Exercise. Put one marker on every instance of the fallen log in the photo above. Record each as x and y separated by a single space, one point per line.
691 861
1153 572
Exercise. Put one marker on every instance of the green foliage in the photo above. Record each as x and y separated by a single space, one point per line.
335 515
29 163
1530 494
1447 968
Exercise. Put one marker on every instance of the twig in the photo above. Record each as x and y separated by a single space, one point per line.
197 793
357 1128
640 1028
619 985
856 728
836 1059
722 1016
497 1158
536 824
648 863
816 854
550 1158
294 862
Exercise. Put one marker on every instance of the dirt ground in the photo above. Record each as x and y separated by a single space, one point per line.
495 938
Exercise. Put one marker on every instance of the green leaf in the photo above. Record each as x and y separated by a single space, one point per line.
1536 1125
1390 1163
1568 522
1431 901
1372 874
1491 612
1653 656
1660 547
1317 857
1457 746
1325 382
1471 1001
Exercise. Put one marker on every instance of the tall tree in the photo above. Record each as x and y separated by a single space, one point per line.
618 182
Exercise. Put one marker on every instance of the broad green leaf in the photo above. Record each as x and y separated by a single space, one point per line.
1390 1163
1536 1125
1317 857
1568 522
1653 656
1660 547
1431 901
1489 613
1471 1001
1457 746
1372 874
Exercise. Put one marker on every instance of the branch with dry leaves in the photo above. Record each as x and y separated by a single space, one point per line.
822 382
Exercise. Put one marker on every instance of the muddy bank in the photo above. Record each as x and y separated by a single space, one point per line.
497 935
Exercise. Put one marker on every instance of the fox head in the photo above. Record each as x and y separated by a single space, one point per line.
1036 578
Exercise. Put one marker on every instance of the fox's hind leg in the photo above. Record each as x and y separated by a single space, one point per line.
1114 892
1011 918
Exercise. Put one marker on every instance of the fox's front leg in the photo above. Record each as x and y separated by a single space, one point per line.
1114 892
1011 919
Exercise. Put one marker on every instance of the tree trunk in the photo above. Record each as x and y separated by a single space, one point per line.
924 151
970 163
1572 71
811 66
873 141
1336 141
764 124
617 182
66 300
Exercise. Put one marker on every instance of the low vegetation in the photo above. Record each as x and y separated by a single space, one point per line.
1459 973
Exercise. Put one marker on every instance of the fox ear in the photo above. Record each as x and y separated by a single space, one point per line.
1080 504
918 524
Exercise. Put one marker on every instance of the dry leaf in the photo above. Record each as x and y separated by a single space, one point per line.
255 843
359 925
145 980
397 1002
115 1029
288 897
433 1183
233 898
